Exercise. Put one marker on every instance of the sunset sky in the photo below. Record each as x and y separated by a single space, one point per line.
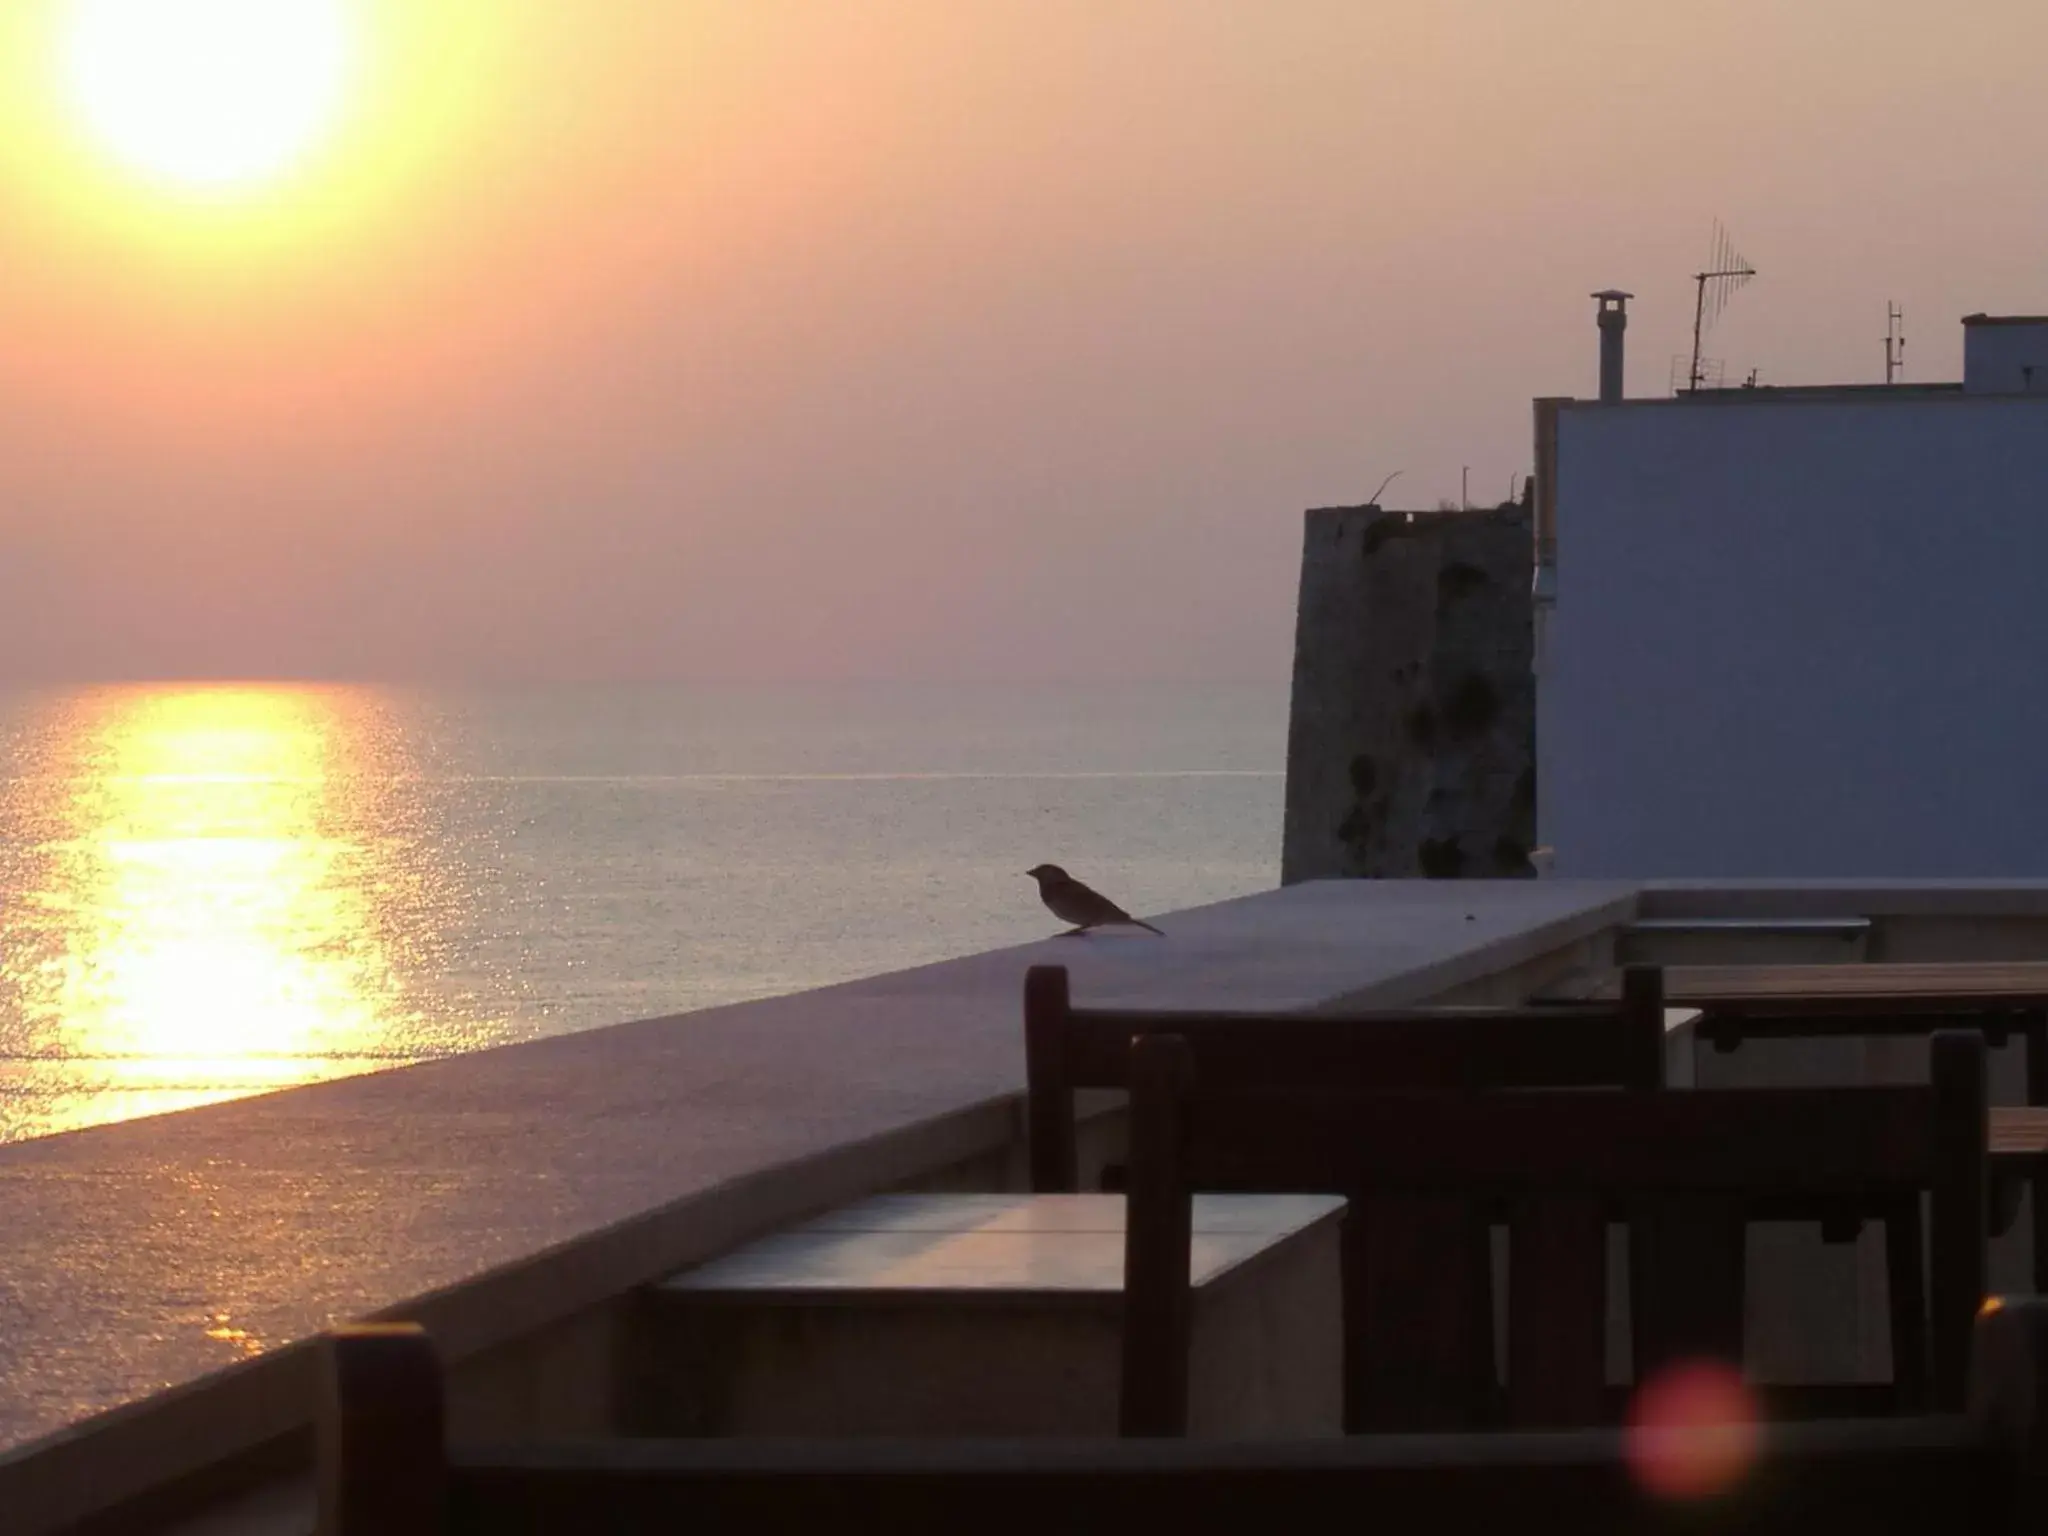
911 338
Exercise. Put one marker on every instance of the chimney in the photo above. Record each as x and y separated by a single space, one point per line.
1613 321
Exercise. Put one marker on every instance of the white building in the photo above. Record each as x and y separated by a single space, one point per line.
1797 632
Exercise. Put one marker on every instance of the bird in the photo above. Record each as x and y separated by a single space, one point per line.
1073 902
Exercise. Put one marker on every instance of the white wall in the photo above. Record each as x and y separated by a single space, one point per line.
1799 637
2005 358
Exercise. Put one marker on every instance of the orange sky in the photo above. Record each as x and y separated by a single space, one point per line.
774 338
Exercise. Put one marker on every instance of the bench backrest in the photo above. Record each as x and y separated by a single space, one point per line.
386 1470
1605 1044
1685 1170
1436 1252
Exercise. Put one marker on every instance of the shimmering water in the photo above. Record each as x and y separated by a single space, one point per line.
211 891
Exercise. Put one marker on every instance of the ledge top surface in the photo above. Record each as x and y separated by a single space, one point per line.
151 1253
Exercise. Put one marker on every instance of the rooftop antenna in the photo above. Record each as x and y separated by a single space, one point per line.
1894 342
1375 499
1713 373
1727 270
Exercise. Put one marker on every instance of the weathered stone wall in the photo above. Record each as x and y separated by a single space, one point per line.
1411 743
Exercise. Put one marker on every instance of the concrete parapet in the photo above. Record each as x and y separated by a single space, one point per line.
512 1199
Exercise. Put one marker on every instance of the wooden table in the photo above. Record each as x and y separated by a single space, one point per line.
2003 998
1804 1001
995 1314
1816 991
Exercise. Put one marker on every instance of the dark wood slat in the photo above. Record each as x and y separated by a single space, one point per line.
1642 1003
1421 1355
1935 1437
2009 1397
1725 1025
1957 986
1614 1043
1794 1141
1846 927
1875 1480
1450 1047
2037 1093
2018 1134
1975 1473
1158 1299
1906 1301
1687 1252
1049 1105
1957 1260
380 1426
1557 1326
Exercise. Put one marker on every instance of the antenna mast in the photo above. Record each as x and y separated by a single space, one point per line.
1894 343
1727 270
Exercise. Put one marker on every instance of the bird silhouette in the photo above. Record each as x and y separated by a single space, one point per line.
1072 902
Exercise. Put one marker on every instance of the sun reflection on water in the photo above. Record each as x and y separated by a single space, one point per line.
219 892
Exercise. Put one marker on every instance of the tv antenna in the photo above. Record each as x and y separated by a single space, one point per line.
1894 342
1707 373
1727 270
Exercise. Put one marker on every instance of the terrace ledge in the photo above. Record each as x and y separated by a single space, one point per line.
164 1274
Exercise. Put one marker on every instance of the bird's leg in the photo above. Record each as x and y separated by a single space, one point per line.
1072 933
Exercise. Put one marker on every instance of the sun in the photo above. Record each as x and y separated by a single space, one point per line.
208 96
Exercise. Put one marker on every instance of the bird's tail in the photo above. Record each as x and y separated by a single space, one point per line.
1146 926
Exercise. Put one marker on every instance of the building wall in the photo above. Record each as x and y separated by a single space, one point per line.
2005 357
1799 637
1411 735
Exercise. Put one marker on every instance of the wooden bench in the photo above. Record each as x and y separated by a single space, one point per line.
386 1469
1686 1170
1618 1042
1621 1040
1605 1044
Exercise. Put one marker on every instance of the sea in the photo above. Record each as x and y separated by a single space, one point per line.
214 890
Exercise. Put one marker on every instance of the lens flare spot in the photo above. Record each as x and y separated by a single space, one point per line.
1693 1431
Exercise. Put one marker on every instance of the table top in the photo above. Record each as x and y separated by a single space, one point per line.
2008 981
989 1246
2018 1133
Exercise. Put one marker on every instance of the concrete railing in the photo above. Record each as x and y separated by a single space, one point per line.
515 1199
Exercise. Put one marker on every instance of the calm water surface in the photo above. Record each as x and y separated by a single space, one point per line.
212 891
